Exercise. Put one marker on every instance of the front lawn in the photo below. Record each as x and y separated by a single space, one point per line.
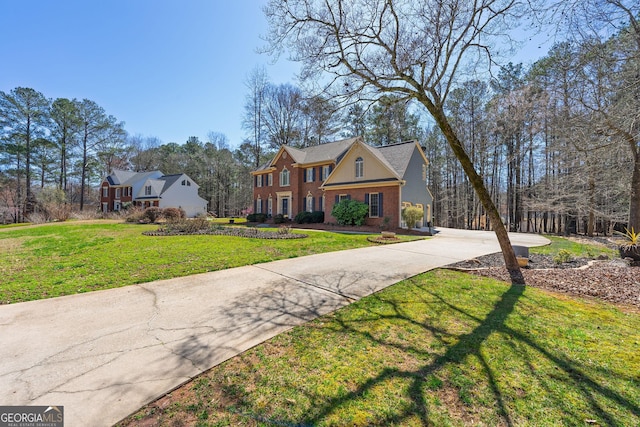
67 258
444 348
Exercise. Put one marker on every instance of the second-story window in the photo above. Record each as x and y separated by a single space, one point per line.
105 191
325 172
270 180
309 175
147 190
359 167
284 178
259 181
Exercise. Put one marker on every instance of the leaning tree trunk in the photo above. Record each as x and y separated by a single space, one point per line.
634 202
510 260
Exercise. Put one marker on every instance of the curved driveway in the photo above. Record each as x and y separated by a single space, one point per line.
102 355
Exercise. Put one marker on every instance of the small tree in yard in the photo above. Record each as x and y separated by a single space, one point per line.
350 212
411 215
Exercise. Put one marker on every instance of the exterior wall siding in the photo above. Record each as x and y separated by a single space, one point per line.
415 191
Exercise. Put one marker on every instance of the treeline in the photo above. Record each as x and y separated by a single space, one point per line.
55 152
57 144
557 144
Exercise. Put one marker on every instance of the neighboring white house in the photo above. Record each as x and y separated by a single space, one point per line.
153 188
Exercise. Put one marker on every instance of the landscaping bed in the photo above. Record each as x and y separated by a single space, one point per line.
608 280
282 233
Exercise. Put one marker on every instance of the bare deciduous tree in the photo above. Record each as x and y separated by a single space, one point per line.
416 50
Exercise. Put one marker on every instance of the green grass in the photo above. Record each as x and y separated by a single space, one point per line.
13 225
67 258
575 249
226 220
443 348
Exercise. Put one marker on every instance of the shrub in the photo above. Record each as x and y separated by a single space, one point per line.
134 214
350 212
284 229
174 214
52 204
317 217
189 226
280 219
562 256
256 217
303 217
152 214
411 215
314 217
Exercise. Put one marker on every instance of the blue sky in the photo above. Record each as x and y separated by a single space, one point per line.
167 68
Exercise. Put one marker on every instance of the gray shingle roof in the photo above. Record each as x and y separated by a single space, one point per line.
398 155
169 180
395 156
325 152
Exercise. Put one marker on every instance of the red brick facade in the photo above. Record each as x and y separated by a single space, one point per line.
296 193
112 198
390 203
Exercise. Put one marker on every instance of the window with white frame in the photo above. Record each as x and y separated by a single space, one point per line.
325 172
259 205
309 172
270 180
270 206
284 178
147 190
309 203
342 197
105 191
374 205
359 167
259 181
118 191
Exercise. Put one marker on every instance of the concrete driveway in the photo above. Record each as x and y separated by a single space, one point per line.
102 355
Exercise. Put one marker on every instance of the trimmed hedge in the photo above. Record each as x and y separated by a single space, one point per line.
257 217
280 219
314 217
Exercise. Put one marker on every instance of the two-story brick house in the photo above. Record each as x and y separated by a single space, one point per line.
146 189
386 178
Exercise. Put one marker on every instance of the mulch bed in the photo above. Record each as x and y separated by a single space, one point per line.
608 280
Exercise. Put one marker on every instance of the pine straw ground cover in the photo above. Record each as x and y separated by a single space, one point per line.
443 348
579 273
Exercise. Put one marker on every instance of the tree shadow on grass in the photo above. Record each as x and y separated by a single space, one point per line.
470 344
282 307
